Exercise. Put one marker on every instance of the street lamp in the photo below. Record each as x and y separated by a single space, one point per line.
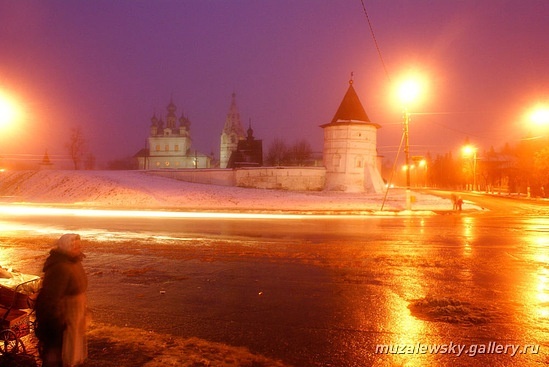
540 115
9 111
471 151
408 92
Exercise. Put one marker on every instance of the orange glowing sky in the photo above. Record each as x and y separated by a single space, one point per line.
107 66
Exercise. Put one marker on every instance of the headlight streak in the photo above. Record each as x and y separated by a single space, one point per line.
27 210
104 213
24 211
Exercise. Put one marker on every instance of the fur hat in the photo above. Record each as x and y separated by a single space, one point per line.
66 242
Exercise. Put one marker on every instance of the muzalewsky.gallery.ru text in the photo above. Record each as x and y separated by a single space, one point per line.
470 350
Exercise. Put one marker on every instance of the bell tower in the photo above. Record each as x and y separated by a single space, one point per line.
231 134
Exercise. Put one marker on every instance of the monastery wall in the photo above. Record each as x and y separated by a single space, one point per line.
222 177
280 178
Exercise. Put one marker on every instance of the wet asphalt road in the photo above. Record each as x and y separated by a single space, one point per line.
324 292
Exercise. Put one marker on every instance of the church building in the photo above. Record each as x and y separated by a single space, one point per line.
350 149
169 146
248 153
232 133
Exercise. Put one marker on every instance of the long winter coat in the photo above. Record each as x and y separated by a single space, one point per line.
61 306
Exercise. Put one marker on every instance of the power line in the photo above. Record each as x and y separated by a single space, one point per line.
375 40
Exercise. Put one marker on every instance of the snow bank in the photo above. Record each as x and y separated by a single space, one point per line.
141 189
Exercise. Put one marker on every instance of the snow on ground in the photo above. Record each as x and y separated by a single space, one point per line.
116 346
144 190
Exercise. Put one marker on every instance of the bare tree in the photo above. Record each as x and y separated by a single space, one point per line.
301 152
76 146
277 153
89 161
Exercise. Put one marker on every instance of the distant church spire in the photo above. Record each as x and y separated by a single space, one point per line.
171 118
46 162
232 122
231 134
250 131
46 159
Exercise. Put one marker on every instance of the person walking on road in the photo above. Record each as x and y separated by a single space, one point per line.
61 306
459 203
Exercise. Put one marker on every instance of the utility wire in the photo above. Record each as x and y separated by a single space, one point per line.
389 79
375 40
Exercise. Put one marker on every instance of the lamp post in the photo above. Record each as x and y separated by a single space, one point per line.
409 92
539 117
474 170
470 150
407 155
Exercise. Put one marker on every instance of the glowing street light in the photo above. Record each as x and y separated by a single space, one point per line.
9 111
471 151
540 115
409 91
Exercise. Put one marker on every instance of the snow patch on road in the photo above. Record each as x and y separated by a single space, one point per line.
449 310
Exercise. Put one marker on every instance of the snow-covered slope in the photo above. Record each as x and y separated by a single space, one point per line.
140 189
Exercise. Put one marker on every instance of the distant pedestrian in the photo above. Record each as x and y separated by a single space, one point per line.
459 203
61 306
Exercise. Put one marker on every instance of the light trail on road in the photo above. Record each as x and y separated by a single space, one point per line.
27 210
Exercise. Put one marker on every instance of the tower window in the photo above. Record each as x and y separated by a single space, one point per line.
167 148
157 148
176 147
359 162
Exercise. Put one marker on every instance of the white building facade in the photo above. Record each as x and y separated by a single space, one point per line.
169 146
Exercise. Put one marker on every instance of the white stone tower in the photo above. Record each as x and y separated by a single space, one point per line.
232 133
350 149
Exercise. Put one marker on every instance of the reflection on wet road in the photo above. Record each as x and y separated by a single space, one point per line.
352 291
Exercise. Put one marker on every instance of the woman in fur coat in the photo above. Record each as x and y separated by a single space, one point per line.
61 306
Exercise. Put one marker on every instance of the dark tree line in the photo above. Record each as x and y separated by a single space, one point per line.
280 153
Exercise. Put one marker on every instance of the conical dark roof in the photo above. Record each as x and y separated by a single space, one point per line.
350 110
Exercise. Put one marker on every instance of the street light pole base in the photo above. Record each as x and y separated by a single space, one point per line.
408 200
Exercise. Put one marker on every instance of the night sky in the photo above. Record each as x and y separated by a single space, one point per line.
108 66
